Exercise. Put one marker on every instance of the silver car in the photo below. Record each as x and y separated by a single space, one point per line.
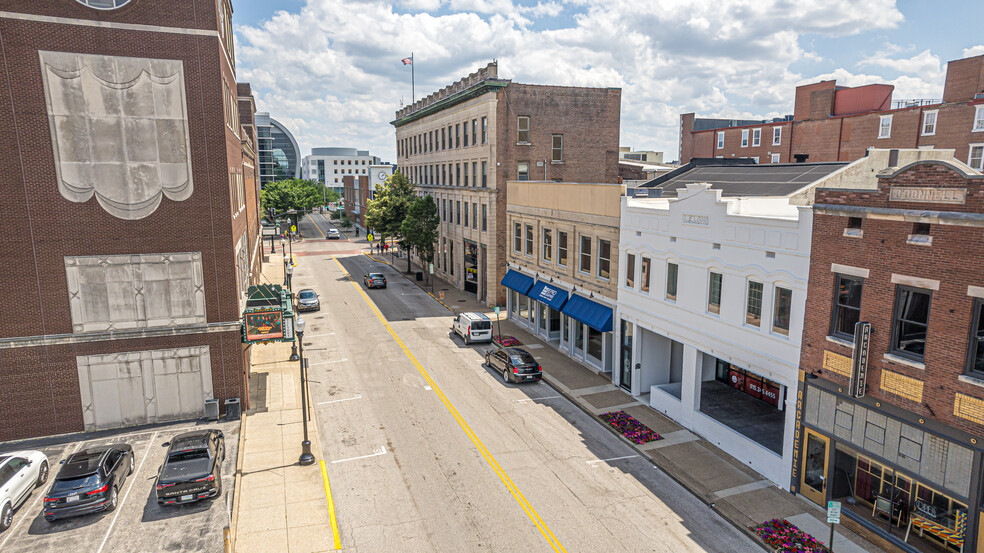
20 473
307 300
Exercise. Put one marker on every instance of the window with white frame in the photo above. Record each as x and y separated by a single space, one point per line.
781 308
604 258
753 304
517 237
929 123
979 119
885 126
585 254
775 158
630 271
561 248
744 138
776 136
558 148
720 139
529 239
756 137
523 128
714 292
547 244
644 285
976 157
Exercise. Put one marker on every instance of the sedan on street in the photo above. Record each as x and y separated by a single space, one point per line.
515 365
307 300
20 473
333 234
374 280
89 482
192 469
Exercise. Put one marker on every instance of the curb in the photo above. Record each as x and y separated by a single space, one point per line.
747 531
236 496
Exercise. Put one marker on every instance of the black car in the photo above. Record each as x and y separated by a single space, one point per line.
516 365
192 469
89 482
307 300
374 280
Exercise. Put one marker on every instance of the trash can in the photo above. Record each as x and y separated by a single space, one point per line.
420 275
212 409
232 409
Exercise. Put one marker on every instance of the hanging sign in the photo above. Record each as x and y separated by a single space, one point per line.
859 361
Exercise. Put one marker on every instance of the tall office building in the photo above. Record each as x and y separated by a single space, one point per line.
280 156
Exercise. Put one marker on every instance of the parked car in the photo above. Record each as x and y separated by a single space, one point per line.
333 234
192 469
374 280
89 482
473 327
20 473
515 364
307 300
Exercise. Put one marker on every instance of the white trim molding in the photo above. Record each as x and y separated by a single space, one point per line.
975 291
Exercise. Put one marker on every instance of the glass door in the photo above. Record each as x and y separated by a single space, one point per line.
816 455
625 378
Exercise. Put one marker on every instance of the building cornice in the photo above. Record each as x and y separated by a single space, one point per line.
88 337
488 85
957 218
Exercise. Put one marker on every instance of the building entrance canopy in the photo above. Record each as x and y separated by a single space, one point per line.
591 313
515 280
545 293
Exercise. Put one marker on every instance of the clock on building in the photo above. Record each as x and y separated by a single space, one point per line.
382 175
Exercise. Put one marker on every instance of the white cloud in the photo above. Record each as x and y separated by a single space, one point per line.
924 64
333 70
973 51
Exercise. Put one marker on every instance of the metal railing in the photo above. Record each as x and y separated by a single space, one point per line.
915 102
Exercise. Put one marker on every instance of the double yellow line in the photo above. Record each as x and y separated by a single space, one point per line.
517 495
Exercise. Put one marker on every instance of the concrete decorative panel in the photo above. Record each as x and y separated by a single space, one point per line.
122 292
119 130
141 387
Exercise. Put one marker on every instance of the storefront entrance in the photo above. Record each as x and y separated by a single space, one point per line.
816 455
625 377
471 267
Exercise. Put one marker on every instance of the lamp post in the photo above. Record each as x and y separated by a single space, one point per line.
288 271
290 276
307 458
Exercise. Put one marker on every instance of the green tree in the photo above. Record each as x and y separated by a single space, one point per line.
419 228
291 195
386 212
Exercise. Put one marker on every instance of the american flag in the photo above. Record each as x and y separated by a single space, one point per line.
407 61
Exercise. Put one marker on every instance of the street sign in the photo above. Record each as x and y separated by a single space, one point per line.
834 512
293 228
497 310
431 265
370 237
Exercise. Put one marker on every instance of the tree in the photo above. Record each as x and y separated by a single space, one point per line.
291 195
419 228
386 212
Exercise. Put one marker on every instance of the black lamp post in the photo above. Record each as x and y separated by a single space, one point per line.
307 458
288 271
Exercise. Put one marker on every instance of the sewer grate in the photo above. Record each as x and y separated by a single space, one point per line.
462 301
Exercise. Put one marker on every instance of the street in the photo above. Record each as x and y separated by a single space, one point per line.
428 450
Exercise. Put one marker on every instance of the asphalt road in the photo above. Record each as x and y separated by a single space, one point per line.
446 457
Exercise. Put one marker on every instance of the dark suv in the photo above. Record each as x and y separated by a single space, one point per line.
89 481
515 365
192 469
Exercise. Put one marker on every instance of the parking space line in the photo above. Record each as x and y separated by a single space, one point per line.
340 400
10 531
331 507
382 451
612 459
326 362
133 478
537 398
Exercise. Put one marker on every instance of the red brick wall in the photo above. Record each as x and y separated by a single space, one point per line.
705 143
953 259
808 101
964 79
185 14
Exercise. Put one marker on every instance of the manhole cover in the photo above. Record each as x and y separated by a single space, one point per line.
462 301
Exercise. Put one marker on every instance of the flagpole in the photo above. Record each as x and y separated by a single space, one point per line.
413 93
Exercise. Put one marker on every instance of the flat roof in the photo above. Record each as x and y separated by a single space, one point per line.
745 179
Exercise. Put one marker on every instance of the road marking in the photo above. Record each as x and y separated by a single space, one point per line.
10 531
340 400
134 479
612 459
537 398
320 335
428 388
326 362
382 451
517 495
317 227
331 507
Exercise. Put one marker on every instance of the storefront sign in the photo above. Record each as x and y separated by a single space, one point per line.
736 379
770 394
703 220
859 361
753 387
928 194
264 325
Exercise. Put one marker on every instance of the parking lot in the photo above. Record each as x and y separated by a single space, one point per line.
138 523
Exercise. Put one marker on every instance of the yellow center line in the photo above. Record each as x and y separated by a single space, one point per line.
331 507
517 495
317 227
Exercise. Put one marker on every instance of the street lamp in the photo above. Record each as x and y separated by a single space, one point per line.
307 458
290 276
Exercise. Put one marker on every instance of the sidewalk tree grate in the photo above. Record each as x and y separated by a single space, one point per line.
785 537
632 429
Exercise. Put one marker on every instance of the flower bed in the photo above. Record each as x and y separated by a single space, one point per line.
630 428
507 341
785 537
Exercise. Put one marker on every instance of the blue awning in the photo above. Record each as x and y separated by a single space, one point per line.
517 281
550 295
591 313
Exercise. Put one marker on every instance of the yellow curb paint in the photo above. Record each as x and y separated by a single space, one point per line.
513 489
331 508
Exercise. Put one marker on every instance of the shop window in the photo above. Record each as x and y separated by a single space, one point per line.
714 293
781 309
630 271
910 322
672 271
847 306
753 303
594 344
529 239
975 362
644 285
604 258
562 248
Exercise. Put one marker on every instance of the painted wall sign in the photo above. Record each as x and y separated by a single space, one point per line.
689 219
928 194
859 361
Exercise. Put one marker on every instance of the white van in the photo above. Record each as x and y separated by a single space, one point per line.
473 327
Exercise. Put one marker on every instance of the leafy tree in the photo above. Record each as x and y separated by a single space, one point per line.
291 195
386 212
419 228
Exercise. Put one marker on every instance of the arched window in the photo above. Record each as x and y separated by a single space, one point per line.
104 4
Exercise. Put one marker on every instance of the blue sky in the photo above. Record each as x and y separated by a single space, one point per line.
331 71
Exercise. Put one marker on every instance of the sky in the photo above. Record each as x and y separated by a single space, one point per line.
331 70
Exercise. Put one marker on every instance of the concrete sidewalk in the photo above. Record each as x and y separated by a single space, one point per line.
282 505
741 495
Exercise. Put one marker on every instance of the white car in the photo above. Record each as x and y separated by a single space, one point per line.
333 234
20 473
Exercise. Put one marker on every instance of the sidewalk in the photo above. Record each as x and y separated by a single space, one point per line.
282 505
739 494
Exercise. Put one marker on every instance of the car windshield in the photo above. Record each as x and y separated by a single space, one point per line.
3 458
308 294
375 275
187 455
522 359
69 484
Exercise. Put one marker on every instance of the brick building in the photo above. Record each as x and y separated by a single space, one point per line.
896 243
462 143
355 193
838 123
129 228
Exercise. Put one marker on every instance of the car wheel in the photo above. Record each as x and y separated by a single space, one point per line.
6 516
488 360
42 474
113 499
130 471
505 375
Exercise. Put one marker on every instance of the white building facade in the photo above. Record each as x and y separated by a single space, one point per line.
710 310
329 165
